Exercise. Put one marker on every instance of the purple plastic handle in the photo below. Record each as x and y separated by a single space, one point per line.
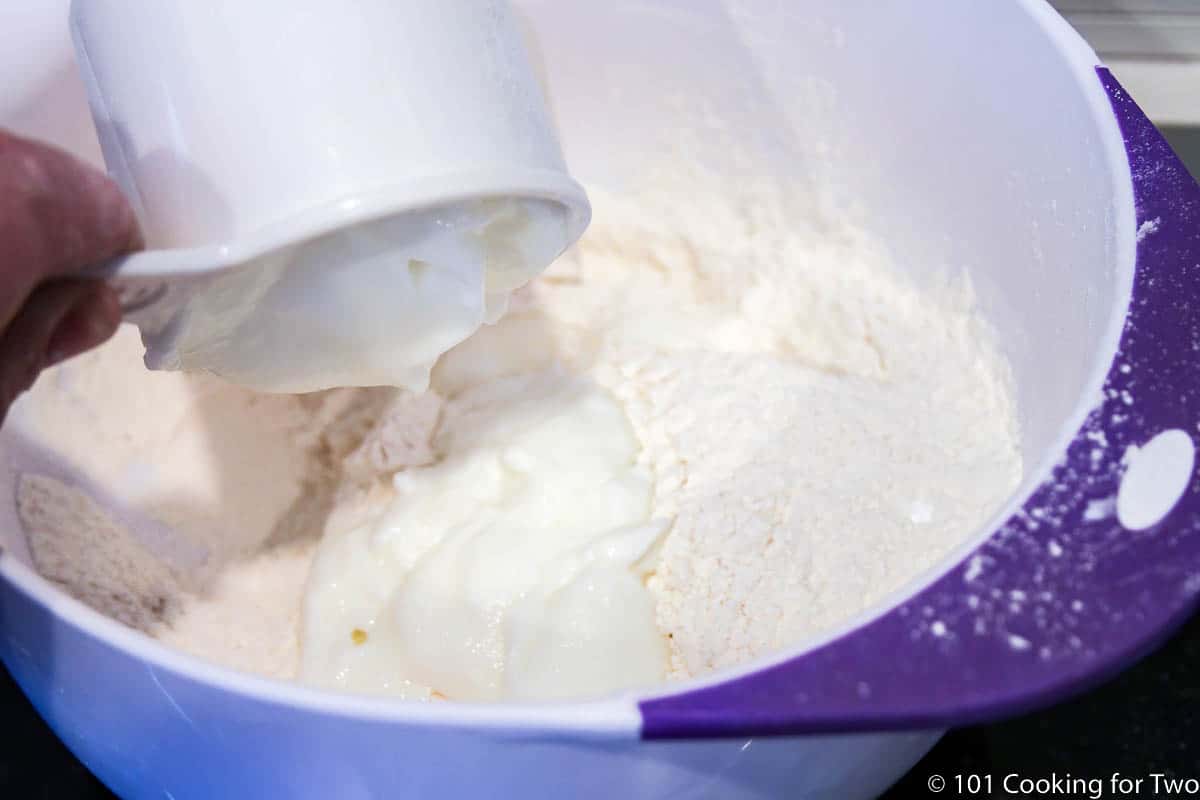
1062 595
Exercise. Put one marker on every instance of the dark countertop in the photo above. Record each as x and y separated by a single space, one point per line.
1146 720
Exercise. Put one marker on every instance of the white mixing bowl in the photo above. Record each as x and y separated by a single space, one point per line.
966 135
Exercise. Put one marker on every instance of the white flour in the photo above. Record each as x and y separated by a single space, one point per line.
818 431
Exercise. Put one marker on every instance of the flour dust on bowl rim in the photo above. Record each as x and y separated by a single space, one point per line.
977 138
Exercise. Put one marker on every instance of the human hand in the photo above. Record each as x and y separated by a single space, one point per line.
58 217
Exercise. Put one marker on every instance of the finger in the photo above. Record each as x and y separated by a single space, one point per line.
91 322
58 216
60 319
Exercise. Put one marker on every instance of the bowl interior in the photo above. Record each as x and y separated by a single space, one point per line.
964 137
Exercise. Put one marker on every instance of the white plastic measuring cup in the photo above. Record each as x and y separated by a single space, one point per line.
241 132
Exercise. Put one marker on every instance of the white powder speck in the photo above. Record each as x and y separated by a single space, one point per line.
1018 642
921 512
1099 509
1148 228
974 568
937 628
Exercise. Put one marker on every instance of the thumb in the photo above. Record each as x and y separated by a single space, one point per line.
60 319
58 216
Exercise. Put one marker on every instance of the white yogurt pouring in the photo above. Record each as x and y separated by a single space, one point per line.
374 305
509 569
